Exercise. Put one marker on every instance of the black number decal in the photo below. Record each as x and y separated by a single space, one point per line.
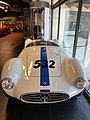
52 65
37 64
44 63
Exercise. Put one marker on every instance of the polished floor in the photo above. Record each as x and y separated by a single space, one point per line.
73 109
10 46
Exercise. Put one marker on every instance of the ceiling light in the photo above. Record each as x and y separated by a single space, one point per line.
5 10
4 3
1 7
5 6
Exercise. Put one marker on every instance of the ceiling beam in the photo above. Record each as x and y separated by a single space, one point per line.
27 1
15 9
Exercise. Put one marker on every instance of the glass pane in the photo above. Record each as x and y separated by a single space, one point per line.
55 23
83 45
68 50
83 35
80 53
68 17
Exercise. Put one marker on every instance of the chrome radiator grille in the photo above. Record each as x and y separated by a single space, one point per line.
44 97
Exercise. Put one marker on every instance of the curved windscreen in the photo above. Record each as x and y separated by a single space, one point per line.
42 43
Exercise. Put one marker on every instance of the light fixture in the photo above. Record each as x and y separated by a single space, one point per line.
4 6
4 3
5 10
1 7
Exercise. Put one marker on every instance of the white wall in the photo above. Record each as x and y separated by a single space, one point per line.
49 1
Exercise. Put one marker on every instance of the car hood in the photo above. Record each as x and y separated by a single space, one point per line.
41 61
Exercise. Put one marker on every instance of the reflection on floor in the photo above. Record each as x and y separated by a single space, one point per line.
10 46
74 109
9 42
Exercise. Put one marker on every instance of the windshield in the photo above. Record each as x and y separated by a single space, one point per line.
41 43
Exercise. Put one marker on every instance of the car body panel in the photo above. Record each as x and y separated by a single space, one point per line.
28 61
43 70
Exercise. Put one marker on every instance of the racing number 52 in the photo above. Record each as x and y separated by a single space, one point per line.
44 64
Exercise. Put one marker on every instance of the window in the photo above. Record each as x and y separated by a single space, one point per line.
55 23
42 43
68 17
67 26
83 45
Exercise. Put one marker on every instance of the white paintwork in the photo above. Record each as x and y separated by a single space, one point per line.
46 24
73 69
27 42
27 79
12 69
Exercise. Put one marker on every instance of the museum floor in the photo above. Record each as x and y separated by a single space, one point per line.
13 109
70 110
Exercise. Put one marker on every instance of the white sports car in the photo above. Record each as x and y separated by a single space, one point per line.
43 73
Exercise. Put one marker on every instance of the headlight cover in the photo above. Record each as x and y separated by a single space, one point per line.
80 83
7 83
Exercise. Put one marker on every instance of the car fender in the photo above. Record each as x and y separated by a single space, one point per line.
12 69
73 70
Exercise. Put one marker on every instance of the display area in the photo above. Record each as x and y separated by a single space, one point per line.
54 74
9 25
51 80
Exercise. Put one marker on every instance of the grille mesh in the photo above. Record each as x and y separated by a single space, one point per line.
44 97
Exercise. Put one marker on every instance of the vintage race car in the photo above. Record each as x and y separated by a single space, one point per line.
43 73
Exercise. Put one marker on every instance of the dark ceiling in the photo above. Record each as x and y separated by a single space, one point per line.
15 7
17 3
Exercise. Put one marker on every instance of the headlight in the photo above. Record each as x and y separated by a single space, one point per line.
7 83
79 83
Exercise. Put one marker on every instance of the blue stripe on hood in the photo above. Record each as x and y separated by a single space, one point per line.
44 71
